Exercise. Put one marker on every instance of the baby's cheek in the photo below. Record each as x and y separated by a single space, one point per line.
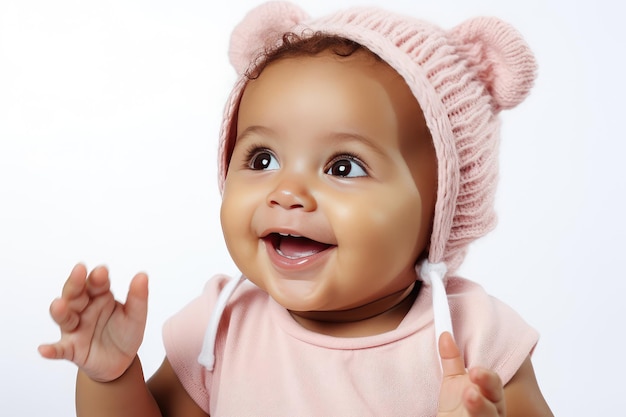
400 229
235 228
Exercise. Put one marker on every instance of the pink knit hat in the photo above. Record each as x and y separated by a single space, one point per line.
462 78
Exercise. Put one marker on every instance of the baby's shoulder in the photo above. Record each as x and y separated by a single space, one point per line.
488 331
470 300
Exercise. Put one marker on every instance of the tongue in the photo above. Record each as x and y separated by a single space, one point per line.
299 247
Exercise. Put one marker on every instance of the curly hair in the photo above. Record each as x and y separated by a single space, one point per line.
295 45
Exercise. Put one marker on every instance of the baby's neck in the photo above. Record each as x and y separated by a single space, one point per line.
377 317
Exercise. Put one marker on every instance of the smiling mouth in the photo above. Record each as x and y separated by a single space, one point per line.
295 247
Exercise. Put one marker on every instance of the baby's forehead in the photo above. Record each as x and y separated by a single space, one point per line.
359 80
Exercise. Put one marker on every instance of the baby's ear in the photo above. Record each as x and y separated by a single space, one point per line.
260 29
502 58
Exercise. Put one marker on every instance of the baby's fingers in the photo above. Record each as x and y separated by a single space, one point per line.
74 290
477 404
56 351
75 284
98 281
66 317
489 384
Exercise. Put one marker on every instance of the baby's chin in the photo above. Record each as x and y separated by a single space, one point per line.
294 295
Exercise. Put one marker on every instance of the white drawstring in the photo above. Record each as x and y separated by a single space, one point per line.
207 354
433 275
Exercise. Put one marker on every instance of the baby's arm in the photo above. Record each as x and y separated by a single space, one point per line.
479 392
170 394
127 395
102 336
523 396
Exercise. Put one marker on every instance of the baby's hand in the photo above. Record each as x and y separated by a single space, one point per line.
99 334
477 393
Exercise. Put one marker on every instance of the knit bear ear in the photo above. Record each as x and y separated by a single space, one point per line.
503 60
260 29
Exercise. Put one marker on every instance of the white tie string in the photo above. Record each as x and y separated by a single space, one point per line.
433 274
207 354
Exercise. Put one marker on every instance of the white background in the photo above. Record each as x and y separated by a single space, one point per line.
109 113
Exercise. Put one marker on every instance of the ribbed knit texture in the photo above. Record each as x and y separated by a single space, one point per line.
461 78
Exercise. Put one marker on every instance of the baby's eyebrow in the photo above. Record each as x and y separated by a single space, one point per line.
336 138
255 130
356 137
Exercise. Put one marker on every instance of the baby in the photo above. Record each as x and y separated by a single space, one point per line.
357 162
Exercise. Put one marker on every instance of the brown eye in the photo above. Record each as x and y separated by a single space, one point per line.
346 167
263 160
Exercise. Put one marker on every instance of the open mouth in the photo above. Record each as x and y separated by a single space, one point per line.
294 246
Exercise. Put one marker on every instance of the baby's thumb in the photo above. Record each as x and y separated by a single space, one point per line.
452 362
137 299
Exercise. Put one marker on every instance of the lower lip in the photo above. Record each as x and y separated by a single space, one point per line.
298 264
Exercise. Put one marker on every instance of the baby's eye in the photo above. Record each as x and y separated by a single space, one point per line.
346 166
262 159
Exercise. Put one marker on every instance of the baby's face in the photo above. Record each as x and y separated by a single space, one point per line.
331 186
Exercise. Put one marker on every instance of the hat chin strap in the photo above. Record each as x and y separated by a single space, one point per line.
207 354
431 273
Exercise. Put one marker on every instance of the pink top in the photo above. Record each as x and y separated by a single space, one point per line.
267 364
